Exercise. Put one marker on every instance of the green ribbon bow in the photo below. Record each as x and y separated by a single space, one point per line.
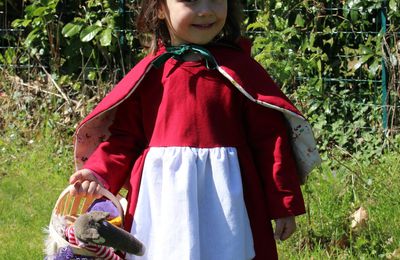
177 52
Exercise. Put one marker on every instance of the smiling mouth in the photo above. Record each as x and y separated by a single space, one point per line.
203 26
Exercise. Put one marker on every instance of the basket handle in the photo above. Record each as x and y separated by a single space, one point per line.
102 191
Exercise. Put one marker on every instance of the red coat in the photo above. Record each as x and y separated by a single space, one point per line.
268 167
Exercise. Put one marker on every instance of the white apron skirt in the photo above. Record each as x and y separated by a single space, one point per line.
191 207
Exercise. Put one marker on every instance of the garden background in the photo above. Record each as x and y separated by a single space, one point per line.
337 60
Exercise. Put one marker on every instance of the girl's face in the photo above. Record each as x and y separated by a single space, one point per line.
193 21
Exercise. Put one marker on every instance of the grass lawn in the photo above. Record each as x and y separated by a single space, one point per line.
332 195
33 173
31 177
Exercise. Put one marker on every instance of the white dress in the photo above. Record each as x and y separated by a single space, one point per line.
191 207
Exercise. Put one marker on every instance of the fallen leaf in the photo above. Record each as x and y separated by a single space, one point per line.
394 255
359 219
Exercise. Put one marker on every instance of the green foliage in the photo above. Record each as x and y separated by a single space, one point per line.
328 58
332 195
94 35
43 40
93 25
9 57
81 39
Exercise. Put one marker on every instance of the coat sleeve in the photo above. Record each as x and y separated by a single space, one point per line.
113 159
269 142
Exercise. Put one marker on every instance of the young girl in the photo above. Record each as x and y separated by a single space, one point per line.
208 147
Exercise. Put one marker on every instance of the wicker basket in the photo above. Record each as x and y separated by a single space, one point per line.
70 207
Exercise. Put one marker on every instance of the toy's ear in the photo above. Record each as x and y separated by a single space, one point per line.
106 206
89 235
92 227
97 216
86 226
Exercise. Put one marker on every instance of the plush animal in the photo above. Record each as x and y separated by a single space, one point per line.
100 251
97 231
93 228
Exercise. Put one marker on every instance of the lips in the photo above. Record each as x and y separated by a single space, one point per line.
203 26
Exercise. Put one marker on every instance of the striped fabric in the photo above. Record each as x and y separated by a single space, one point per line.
103 252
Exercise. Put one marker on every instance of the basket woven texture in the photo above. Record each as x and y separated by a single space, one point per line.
71 207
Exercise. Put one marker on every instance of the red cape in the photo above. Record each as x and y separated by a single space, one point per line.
248 76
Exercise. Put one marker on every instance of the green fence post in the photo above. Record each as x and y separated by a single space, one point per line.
384 72
122 36
123 25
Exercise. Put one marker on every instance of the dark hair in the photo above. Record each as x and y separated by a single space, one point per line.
152 30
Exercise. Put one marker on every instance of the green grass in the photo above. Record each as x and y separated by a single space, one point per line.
32 175
333 195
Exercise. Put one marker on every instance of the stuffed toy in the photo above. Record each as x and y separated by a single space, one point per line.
97 231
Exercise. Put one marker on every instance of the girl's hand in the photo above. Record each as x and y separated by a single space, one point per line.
85 183
284 228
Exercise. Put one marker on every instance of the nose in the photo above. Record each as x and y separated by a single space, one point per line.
205 8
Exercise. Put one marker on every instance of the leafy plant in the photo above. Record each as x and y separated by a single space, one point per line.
79 38
95 31
43 40
328 58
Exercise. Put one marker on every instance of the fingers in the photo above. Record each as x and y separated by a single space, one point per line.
80 188
86 188
284 228
85 184
94 189
288 231
278 229
81 175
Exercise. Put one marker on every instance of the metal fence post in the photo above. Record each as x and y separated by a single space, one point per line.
123 24
384 72
122 36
